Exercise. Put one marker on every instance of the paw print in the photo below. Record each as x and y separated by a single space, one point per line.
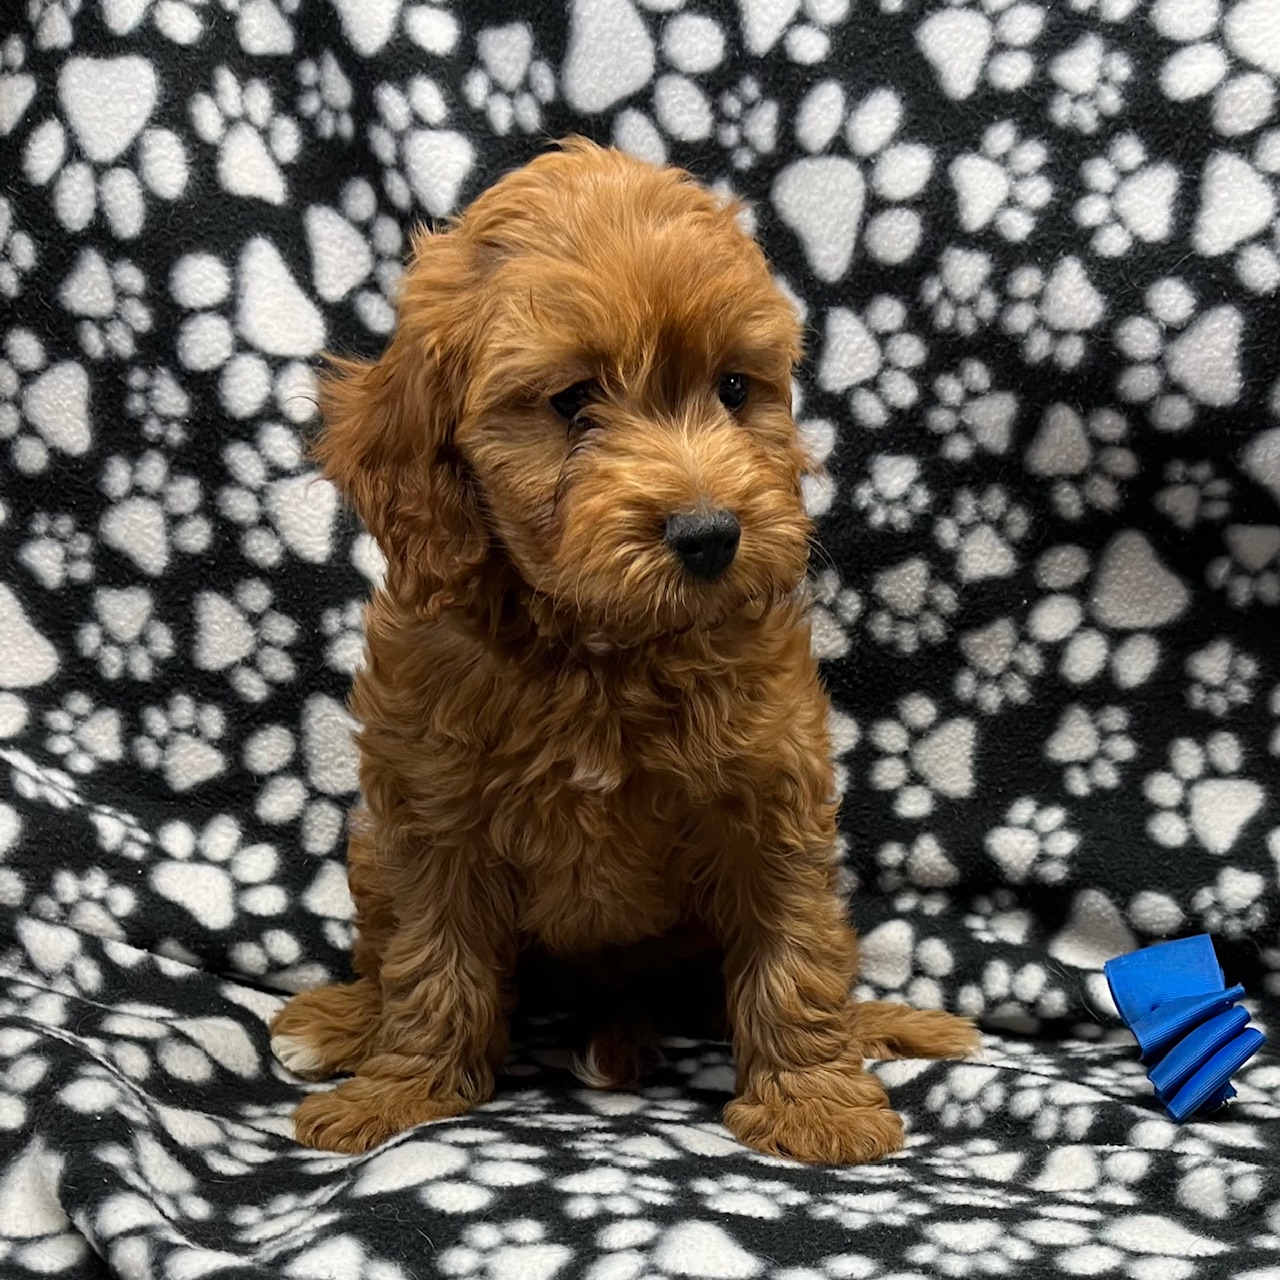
981 532
1092 745
1001 184
1199 795
246 638
969 42
119 832
157 402
923 864
748 127
90 903
1222 678
960 297
179 739
1250 571
105 160
1034 843
1054 1110
1237 202
1128 198
1089 652
58 552
921 758
617 1193
1087 456
125 637
1000 667
17 252
1193 493
1217 58
84 735
1234 906
1091 78
894 495
353 249
152 511
344 630
419 158
1176 365
491 1250
1016 998
915 606
41 782
213 875
510 86
254 140
108 300
748 1196
969 415
978 1246
834 608
875 356
1053 316
277 503
275 319
805 34
41 408
325 97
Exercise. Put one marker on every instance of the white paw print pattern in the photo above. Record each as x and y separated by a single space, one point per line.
281 503
153 512
1090 77
972 42
922 757
974 1246
421 160
641 1248
160 406
1033 843
1224 55
84 734
1200 796
245 638
1092 746
616 1193
748 123
181 740
969 414
1129 198
803 30
1232 905
875 356
1237 213
509 85
59 552
1053 315
1221 678
356 253
87 157
981 532
43 407
959 296
1000 666
125 638
17 252
254 140
1194 493
1177 365
923 864
913 606
1249 571
491 1250
1001 185
325 96
1087 459
894 495
88 902
273 318
107 298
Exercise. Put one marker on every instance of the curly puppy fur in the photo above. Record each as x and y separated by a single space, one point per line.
571 740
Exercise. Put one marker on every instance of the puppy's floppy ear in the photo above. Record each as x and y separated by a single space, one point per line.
387 440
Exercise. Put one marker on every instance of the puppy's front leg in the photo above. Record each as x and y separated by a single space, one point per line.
443 1028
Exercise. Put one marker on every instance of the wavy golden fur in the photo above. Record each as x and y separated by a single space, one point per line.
571 743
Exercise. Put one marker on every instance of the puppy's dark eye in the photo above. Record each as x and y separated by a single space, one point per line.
733 390
570 402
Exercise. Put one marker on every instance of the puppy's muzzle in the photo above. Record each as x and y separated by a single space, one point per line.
704 542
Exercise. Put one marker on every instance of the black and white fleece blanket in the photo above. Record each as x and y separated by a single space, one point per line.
1037 246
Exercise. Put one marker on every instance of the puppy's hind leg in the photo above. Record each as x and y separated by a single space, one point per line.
882 1029
329 1031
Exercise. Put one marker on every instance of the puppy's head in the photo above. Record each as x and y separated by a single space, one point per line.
590 377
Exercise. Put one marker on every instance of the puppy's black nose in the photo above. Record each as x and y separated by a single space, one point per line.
706 542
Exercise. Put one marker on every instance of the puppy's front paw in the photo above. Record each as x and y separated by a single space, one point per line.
364 1112
815 1130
